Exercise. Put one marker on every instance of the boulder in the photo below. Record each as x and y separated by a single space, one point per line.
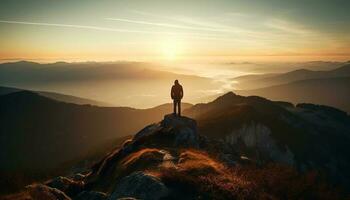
148 130
91 195
185 129
140 185
67 185
61 183
41 192
78 177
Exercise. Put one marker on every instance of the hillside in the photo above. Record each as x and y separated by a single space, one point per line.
35 129
53 124
306 136
57 96
330 91
250 82
172 160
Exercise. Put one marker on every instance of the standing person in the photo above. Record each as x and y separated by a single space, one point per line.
176 94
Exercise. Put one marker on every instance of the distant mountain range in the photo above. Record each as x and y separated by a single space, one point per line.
134 84
319 87
328 91
249 82
32 72
57 96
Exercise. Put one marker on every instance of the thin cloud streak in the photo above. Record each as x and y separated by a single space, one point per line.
207 25
98 28
79 26
169 25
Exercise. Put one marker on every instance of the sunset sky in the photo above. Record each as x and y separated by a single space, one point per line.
174 30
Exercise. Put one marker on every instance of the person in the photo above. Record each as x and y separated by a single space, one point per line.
176 94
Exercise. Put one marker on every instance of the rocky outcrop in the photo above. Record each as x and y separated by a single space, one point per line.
258 137
154 147
140 185
91 195
67 185
40 191
184 130
170 160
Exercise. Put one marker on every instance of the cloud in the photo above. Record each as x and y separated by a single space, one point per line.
75 26
99 28
167 25
287 27
219 25
150 23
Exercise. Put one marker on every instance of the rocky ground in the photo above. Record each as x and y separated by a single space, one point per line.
171 160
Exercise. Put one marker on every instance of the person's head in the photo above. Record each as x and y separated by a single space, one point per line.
176 82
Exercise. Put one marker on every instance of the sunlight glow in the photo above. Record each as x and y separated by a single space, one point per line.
171 48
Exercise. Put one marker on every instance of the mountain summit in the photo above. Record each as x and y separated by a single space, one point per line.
172 160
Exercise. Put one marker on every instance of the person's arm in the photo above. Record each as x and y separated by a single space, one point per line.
172 92
182 92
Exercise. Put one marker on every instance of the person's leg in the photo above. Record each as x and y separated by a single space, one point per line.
179 107
174 103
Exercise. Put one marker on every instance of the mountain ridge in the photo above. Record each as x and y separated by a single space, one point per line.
172 160
230 131
57 96
327 91
262 81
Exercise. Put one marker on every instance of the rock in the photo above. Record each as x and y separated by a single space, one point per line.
148 130
43 192
91 195
78 177
257 136
185 130
228 159
61 183
69 186
168 160
140 185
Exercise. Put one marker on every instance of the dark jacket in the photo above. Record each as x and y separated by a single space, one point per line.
177 92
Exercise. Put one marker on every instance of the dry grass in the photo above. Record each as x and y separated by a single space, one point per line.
144 155
202 177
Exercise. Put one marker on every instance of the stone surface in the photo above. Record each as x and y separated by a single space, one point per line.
61 183
258 136
148 130
43 192
91 195
78 177
140 185
67 185
185 128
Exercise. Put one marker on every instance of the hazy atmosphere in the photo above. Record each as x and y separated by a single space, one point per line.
175 30
216 40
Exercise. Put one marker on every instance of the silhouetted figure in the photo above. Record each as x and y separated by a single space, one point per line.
176 94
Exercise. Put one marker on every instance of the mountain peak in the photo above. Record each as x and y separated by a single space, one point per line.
25 62
227 96
175 159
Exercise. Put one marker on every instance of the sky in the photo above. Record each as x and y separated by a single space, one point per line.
174 31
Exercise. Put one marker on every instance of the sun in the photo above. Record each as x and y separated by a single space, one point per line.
169 53
171 49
